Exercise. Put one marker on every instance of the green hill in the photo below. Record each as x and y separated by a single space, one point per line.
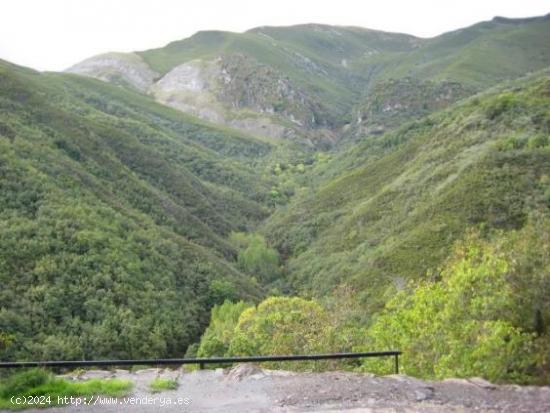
115 213
404 198
317 84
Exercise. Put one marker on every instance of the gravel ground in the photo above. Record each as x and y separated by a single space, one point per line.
246 388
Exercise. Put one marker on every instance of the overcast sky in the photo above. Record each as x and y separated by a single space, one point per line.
54 34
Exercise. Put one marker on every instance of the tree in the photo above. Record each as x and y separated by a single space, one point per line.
282 325
5 340
217 337
256 257
462 326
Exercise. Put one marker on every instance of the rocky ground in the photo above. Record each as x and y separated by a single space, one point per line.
246 388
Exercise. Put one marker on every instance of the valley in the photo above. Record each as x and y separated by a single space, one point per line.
294 189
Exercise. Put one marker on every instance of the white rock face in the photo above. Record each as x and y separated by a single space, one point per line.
187 76
129 67
190 87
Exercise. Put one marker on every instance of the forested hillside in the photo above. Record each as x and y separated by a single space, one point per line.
434 242
409 194
115 218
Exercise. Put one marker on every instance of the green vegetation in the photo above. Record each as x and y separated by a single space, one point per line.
38 382
484 314
393 102
404 198
278 325
478 56
161 384
216 339
125 225
114 218
394 219
256 257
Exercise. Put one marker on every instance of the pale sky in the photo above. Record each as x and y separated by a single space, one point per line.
54 34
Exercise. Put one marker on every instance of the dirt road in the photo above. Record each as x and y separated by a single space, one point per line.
246 388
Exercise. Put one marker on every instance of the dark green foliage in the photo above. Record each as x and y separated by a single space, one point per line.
5 340
410 194
257 258
113 229
222 290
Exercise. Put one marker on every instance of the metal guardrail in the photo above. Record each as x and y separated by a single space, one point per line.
202 361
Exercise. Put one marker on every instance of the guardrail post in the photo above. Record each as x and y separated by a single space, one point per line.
397 363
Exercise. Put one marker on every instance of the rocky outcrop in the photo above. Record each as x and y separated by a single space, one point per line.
233 90
189 87
127 69
395 101
237 91
246 83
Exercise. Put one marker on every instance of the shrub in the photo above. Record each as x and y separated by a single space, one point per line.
160 384
538 141
38 382
279 326
471 323
21 382
500 104
256 257
217 337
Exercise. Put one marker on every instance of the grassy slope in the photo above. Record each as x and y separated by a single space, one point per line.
310 55
340 65
477 56
470 59
116 211
409 194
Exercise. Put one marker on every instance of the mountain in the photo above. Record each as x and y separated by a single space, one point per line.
115 217
316 84
390 208
350 166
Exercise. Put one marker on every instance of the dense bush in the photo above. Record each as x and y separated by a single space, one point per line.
486 316
276 326
114 218
217 337
281 325
257 258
